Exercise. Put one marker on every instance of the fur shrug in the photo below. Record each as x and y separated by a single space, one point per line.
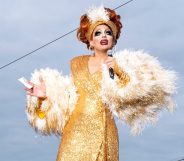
149 90
61 99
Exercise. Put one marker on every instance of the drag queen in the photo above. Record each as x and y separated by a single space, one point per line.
131 85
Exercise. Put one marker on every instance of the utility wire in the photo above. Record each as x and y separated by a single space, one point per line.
122 4
33 51
37 49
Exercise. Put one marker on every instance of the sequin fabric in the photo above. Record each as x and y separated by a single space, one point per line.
91 133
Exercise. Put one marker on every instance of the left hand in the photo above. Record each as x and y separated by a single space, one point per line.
110 62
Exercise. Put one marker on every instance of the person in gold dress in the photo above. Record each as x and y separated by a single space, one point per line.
81 107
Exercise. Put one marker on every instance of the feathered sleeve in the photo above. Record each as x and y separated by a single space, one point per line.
141 88
51 114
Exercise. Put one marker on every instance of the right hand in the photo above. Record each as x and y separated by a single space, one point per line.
37 90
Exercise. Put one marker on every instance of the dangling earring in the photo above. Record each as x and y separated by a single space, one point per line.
91 47
112 50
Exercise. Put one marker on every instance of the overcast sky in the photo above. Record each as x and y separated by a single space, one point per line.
153 25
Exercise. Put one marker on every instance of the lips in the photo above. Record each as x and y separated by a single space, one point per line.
104 42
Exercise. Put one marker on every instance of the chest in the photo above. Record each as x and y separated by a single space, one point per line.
93 66
84 79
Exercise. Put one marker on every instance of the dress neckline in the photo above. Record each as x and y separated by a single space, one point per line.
87 64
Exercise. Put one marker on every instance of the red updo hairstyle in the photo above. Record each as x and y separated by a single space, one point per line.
85 24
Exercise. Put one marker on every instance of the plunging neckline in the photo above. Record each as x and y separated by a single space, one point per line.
87 64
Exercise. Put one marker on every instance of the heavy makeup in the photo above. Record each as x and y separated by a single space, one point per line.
102 41
102 38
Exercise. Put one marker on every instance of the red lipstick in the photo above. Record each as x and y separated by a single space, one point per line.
104 42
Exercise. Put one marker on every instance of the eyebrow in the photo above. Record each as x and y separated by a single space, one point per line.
105 30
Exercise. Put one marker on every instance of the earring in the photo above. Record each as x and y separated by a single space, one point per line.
91 47
112 50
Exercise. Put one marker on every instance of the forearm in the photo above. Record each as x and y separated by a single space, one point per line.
146 89
123 78
40 113
49 114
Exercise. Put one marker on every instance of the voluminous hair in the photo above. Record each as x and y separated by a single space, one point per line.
85 24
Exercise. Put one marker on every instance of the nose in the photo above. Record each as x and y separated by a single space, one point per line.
104 34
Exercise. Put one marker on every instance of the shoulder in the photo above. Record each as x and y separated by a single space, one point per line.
77 63
78 59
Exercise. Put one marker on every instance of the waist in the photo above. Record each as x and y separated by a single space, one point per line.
89 105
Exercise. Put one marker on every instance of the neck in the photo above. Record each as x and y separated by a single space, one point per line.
100 55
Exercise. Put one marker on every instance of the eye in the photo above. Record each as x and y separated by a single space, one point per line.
109 32
97 33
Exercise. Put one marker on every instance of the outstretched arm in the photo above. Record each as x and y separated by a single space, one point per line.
51 101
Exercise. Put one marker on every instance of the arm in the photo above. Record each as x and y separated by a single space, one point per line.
123 78
50 114
141 88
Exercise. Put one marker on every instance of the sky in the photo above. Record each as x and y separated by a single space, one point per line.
152 25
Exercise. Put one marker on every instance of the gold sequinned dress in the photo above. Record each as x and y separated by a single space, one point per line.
79 107
91 133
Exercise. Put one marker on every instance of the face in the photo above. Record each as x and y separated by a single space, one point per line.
102 38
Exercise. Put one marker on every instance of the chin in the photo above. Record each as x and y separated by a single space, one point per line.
106 48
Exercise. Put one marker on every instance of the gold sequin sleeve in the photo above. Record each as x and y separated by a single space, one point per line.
40 113
124 78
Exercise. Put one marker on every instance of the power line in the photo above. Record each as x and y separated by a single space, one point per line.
33 51
122 4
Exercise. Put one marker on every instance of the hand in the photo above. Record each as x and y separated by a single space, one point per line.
110 62
37 90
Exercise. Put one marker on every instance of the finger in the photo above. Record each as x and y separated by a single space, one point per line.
109 60
31 83
107 64
41 79
31 94
110 65
27 89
